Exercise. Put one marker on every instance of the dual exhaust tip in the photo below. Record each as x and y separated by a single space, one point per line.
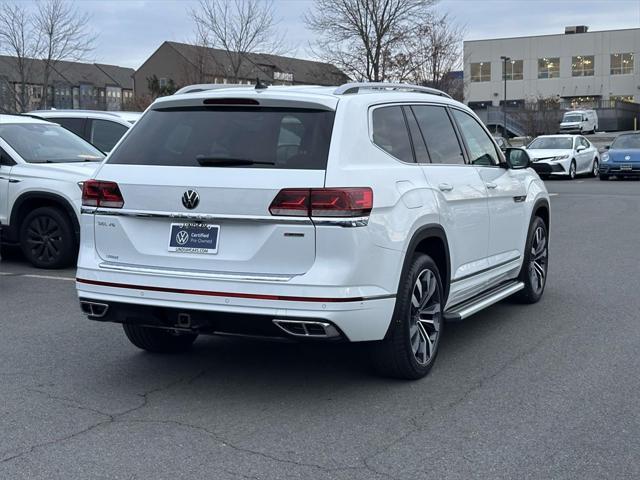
94 309
307 328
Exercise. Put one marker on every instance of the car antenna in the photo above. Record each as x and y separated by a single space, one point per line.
260 85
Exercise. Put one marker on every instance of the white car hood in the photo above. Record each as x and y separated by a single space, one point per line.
74 172
547 154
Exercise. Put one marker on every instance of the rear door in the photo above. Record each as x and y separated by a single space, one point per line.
508 221
234 161
459 189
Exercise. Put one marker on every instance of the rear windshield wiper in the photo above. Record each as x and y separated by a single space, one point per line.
228 162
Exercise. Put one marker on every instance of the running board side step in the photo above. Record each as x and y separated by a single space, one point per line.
484 300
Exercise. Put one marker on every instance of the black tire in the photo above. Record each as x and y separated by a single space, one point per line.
405 352
604 176
47 238
595 169
157 340
535 265
573 171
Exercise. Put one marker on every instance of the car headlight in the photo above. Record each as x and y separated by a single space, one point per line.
605 157
560 157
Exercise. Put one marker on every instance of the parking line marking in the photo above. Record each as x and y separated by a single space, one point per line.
49 277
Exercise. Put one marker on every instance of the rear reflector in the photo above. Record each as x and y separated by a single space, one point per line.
323 202
96 193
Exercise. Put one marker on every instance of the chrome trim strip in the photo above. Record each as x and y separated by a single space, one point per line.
241 277
331 221
195 216
488 269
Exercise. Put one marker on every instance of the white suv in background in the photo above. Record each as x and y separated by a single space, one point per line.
42 167
102 129
367 212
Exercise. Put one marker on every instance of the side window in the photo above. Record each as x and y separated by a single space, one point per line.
419 147
75 125
390 132
482 150
5 159
439 134
585 142
105 134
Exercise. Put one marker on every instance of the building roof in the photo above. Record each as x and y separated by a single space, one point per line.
260 65
73 73
559 34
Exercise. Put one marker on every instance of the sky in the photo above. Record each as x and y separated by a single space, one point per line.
129 31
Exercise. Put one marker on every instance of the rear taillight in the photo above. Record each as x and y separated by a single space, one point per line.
323 202
96 193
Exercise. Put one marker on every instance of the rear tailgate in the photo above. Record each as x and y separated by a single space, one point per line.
234 160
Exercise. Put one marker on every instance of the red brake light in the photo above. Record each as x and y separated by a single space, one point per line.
96 193
291 202
323 202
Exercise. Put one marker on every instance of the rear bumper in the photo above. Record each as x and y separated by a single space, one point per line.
237 308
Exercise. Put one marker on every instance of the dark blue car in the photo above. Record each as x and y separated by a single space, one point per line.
622 158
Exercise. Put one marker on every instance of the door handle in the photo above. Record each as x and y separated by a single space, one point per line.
491 185
445 187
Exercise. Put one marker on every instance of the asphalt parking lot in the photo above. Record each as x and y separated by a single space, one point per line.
543 391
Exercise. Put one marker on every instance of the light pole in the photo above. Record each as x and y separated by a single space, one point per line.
504 101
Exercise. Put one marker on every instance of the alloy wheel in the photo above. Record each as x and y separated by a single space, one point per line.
426 317
538 262
44 238
572 171
596 167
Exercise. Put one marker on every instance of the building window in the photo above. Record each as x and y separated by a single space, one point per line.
621 63
621 98
481 72
514 70
549 67
582 66
162 82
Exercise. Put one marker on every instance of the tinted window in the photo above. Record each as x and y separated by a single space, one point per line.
419 147
482 150
390 132
627 141
260 137
439 134
75 125
47 143
105 134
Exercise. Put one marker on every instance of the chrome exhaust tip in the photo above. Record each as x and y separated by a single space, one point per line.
307 328
94 309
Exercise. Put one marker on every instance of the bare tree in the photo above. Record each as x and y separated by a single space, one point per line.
364 37
19 39
434 50
239 27
65 36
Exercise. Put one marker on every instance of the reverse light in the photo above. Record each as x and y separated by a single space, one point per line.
98 193
323 202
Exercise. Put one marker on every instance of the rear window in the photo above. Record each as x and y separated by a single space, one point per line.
248 137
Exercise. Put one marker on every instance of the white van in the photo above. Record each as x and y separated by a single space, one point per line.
579 121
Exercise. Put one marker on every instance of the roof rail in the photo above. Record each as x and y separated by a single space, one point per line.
355 87
201 87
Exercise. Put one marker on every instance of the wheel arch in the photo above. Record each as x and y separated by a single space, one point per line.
29 201
541 209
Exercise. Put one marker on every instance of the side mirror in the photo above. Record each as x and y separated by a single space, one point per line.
607 147
580 148
517 158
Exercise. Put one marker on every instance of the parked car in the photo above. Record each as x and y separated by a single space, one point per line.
622 157
367 212
564 155
579 121
101 129
42 166
502 142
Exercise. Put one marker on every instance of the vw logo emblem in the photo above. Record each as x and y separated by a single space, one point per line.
628 157
190 199
182 237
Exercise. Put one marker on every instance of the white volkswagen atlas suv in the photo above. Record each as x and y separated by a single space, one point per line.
363 213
